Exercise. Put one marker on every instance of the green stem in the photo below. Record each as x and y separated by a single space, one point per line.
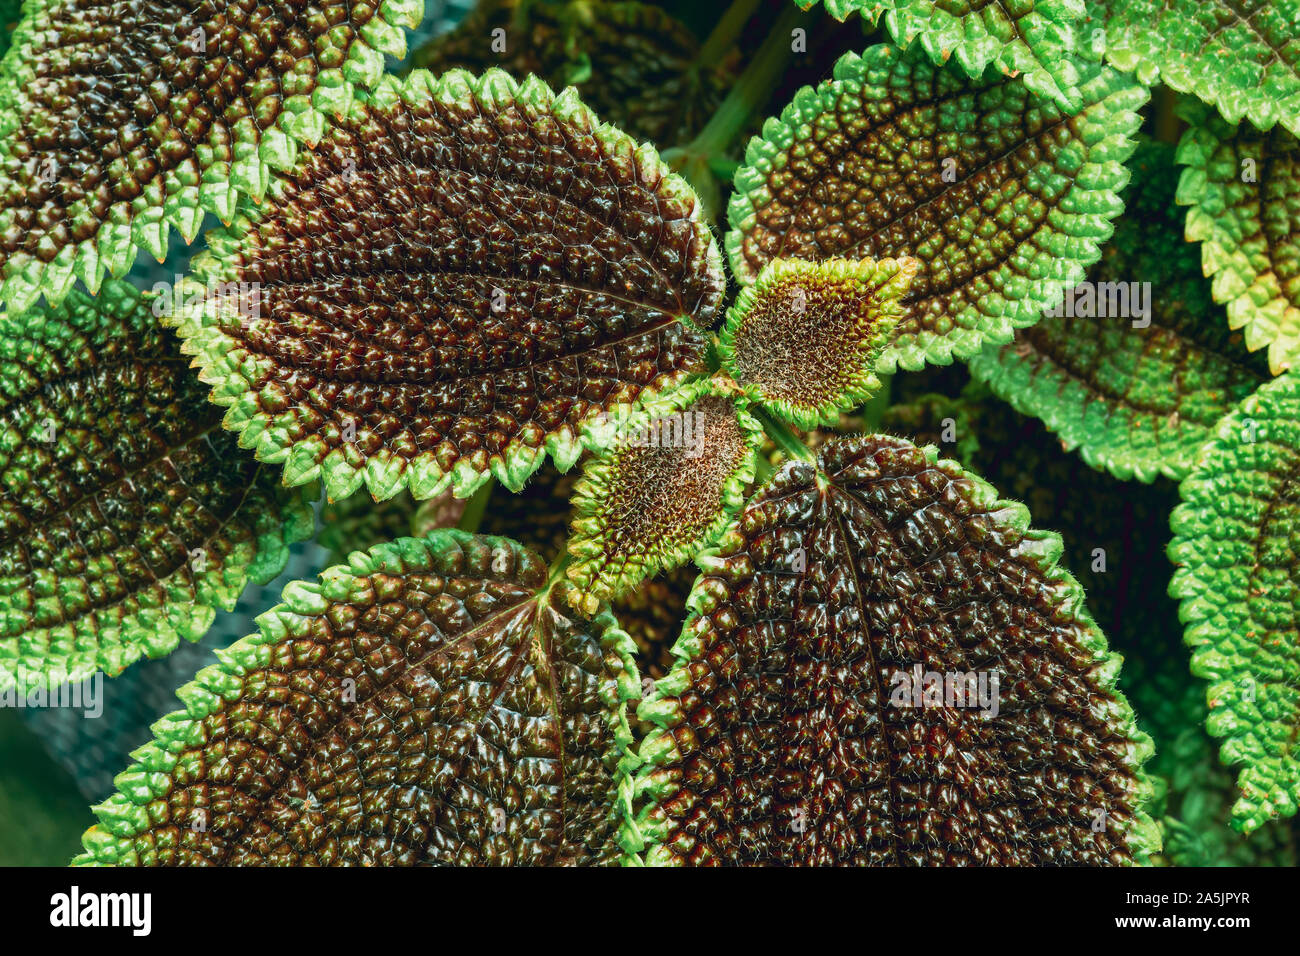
753 89
782 437
725 32
874 410
472 517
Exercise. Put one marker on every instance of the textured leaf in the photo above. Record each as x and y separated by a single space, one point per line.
1033 37
121 119
1244 190
1236 541
460 274
675 470
1241 56
1139 365
633 64
857 168
781 739
432 702
805 337
1195 808
126 514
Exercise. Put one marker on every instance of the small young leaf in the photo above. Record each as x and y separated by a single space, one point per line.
805 337
461 273
1244 190
120 120
1137 364
790 728
1030 37
126 514
1003 198
433 702
633 64
1236 541
1241 56
674 471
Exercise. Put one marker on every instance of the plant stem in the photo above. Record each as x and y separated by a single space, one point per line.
472 517
782 437
874 410
725 32
754 87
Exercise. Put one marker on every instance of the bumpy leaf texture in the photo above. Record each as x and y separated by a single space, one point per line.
633 64
1244 190
433 702
1236 541
1114 535
1032 37
805 337
121 119
463 272
1241 56
673 474
1136 365
126 514
790 733
1003 198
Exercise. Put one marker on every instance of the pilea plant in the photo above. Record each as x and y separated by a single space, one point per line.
666 526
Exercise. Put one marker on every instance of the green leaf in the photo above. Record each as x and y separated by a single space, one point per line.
1030 37
1236 538
1241 56
1003 199
632 63
804 338
786 731
462 273
432 702
1244 190
121 120
126 515
1138 364
674 471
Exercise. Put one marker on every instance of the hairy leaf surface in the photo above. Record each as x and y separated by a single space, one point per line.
785 738
432 702
805 337
633 64
1241 56
121 119
675 470
126 514
1236 541
1032 37
1003 198
462 273
1138 364
1244 190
